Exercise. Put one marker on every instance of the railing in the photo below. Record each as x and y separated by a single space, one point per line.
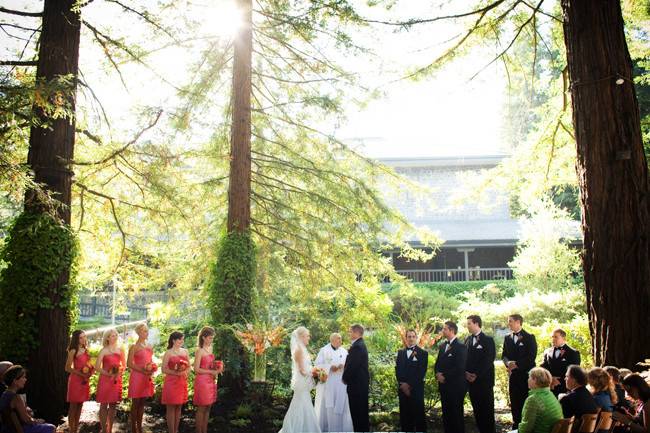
442 275
92 306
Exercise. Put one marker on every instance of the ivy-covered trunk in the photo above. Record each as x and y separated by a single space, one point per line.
613 177
231 287
40 250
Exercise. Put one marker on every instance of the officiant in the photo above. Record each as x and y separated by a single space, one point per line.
332 409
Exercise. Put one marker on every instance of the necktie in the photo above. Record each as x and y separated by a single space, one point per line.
447 346
474 340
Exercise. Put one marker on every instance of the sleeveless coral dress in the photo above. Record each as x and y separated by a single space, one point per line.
174 389
78 387
140 384
109 389
205 387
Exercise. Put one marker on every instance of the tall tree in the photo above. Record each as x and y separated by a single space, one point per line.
613 177
612 170
37 279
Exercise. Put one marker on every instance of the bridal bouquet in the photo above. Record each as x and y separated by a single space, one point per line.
319 375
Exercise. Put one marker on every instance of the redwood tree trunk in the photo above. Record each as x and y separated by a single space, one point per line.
49 149
613 178
239 190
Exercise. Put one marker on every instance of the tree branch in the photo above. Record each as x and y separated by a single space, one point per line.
18 63
20 13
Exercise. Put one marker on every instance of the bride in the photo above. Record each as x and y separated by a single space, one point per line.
301 416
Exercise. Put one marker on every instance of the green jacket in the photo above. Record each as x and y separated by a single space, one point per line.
541 411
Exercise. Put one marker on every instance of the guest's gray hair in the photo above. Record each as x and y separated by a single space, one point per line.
335 335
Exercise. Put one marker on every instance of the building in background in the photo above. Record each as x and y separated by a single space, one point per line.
479 232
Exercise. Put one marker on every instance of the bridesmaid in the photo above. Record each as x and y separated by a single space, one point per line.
175 366
140 381
78 367
110 365
205 386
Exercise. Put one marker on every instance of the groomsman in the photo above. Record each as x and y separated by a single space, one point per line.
519 352
450 374
557 360
357 378
479 373
410 369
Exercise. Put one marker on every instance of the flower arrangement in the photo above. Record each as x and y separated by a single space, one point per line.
257 338
319 375
115 370
427 334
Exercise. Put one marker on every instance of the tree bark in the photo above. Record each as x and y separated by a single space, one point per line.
239 189
613 177
49 149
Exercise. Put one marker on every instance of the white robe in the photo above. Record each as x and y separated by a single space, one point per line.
332 409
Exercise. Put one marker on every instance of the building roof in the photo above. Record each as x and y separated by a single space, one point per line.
445 207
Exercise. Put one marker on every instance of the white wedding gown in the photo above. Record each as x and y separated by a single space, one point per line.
301 416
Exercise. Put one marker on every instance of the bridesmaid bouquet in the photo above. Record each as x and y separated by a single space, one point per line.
179 366
88 370
150 367
115 370
217 365
319 375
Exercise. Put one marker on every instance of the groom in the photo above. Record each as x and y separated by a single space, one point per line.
357 378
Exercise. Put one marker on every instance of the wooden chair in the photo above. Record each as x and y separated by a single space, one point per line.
589 421
10 419
605 422
563 426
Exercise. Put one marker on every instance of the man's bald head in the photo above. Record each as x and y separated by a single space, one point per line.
336 340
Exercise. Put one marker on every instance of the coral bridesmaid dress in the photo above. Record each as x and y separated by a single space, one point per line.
140 384
205 387
109 389
174 390
79 387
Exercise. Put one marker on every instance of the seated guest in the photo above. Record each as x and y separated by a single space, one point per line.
615 374
541 408
579 400
639 390
4 366
602 388
15 378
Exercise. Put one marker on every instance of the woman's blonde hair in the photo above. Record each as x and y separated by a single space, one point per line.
600 380
139 327
107 335
541 376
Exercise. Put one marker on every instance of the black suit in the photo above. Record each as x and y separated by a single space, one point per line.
412 370
577 403
357 379
451 363
558 365
523 352
480 361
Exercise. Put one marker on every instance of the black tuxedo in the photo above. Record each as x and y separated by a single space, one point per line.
523 352
559 365
451 363
480 361
412 370
357 379
577 403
